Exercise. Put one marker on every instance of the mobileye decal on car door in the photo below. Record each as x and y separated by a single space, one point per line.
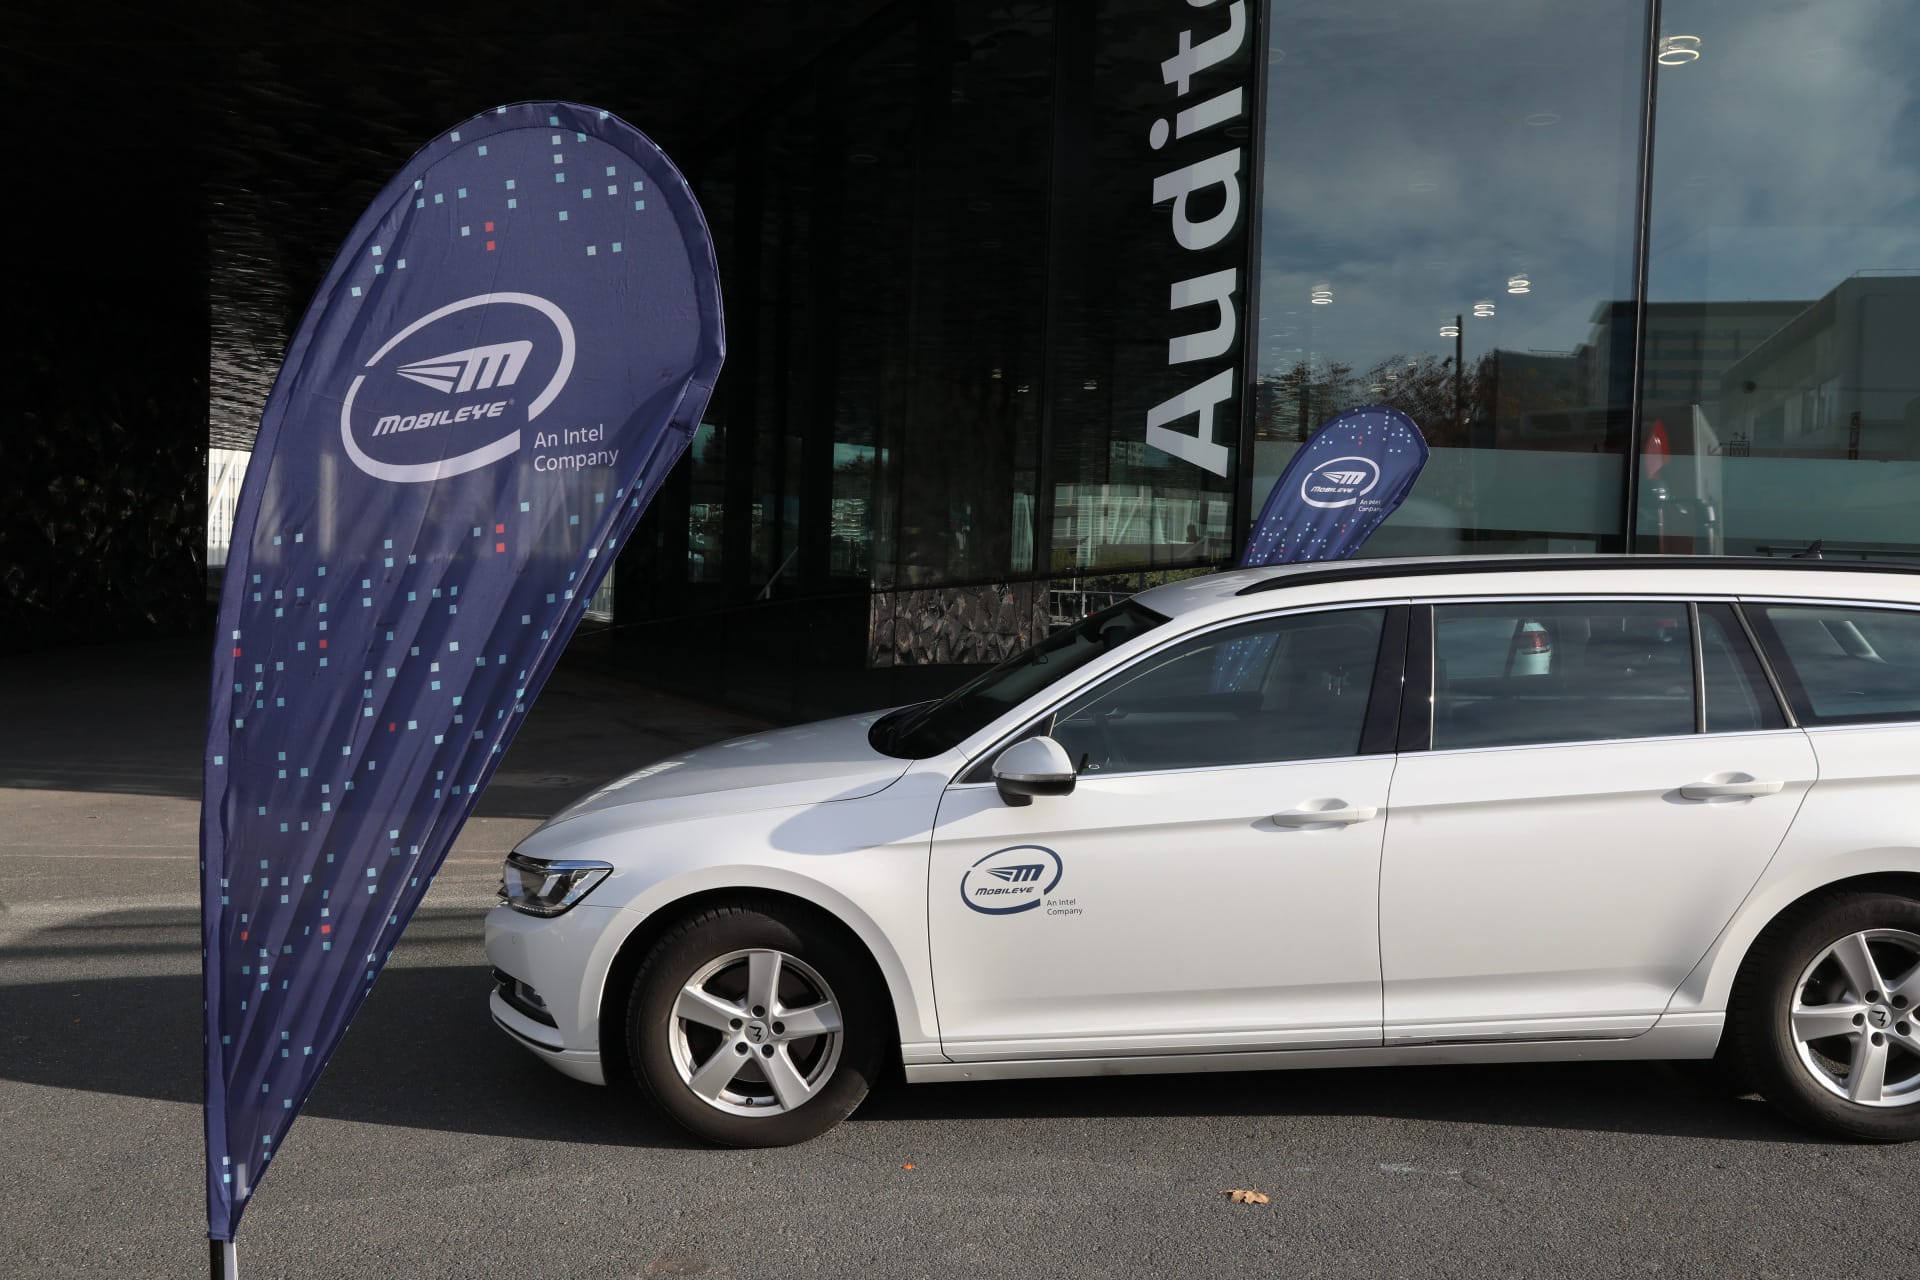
1011 880
1344 482
511 350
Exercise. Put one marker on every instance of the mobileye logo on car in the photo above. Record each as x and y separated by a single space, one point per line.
1340 482
1010 880
396 421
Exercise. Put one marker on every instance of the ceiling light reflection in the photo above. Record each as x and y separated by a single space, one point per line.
1677 51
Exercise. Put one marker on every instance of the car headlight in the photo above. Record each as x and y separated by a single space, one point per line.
548 886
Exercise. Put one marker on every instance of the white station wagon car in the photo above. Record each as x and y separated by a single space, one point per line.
1383 812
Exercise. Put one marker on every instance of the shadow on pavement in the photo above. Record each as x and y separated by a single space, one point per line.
423 1053
131 720
1649 1098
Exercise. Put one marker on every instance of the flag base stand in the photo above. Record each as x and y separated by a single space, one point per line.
223 1263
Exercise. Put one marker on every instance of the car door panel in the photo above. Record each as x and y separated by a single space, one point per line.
1569 884
1545 873
1160 907
1185 917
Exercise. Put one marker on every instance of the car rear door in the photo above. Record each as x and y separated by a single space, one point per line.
1568 837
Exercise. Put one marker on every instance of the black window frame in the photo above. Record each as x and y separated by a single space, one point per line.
1752 663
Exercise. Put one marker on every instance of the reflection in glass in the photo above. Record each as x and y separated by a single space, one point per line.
1119 502
706 509
1303 697
1550 671
1448 219
958 442
1781 396
784 316
1846 666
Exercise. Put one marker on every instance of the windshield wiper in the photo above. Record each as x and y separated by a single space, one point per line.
888 730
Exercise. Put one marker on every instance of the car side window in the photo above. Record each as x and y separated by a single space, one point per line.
1844 665
1545 671
1287 688
1738 698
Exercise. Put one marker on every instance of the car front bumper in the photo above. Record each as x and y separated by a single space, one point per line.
537 1039
564 961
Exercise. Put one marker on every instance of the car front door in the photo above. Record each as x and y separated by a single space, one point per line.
1576 830
1210 883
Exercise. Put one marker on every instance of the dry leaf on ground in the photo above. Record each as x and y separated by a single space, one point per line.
1239 1196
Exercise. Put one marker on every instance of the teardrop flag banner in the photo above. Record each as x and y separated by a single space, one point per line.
1348 477
510 352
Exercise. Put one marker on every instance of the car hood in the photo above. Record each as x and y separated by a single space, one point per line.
805 764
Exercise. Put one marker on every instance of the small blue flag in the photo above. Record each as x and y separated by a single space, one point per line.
1348 477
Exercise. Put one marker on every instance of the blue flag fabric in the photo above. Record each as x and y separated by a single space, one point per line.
510 352
1348 477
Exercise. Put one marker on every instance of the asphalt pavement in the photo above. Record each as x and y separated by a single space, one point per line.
435 1147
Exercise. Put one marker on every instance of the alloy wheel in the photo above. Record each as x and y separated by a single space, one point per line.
1853 1018
756 1032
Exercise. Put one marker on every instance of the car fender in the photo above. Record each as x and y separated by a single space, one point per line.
1709 986
863 861
909 984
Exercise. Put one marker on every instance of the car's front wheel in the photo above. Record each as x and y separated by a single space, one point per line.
752 1025
1825 1021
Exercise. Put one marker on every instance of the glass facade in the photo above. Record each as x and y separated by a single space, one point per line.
1030 304
1448 222
1780 398
1643 274
988 278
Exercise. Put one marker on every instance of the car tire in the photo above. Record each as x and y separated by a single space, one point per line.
1799 982
734 1067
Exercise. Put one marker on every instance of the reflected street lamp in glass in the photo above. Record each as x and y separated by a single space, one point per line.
1459 362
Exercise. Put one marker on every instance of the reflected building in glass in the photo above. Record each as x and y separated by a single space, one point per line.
991 283
1028 304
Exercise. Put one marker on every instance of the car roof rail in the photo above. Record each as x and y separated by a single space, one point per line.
1361 570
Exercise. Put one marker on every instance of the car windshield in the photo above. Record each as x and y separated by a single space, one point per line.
914 733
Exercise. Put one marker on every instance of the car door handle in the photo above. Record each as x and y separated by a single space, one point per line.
1343 816
1741 785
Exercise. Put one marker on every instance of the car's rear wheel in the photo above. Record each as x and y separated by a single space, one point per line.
1824 1018
753 1025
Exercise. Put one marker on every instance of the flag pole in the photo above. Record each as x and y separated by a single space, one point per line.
223 1263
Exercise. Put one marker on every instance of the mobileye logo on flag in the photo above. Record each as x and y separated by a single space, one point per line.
476 367
1339 483
1010 880
450 392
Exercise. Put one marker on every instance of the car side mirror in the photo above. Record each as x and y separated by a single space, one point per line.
1033 767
